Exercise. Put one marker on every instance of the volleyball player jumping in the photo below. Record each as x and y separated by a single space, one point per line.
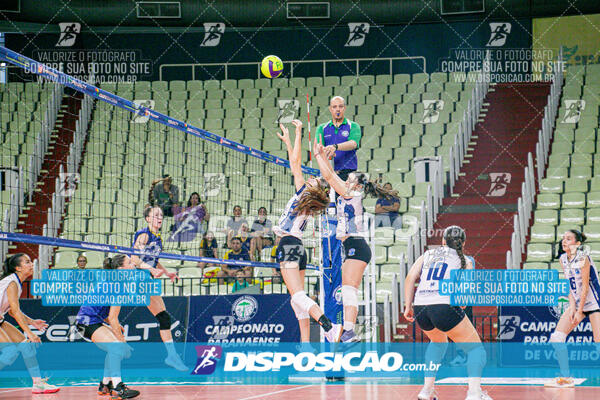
582 275
352 229
18 268
91 325
437 318
149 241
311 198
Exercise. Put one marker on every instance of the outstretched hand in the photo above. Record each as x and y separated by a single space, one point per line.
284 135
317 148
298 124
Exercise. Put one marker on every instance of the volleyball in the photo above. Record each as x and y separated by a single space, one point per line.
271 67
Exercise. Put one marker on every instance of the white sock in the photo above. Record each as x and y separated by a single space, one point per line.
116 380
348 326
171 349
474 384
429 382
106 380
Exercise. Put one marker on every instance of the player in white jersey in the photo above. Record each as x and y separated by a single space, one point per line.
18 268
311 198
584 301
352 229
437 318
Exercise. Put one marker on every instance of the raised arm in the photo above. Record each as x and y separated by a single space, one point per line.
326 171
294 153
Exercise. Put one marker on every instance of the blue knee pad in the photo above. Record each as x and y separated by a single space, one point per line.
8 355
476 360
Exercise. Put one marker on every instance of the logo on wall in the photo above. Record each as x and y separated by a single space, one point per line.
212 183
208 356
69 182
499 33
337 294
244 308
212 34
574 108
558 310
142 118
431 111
68 33
358 33
288 109
508 326
498 183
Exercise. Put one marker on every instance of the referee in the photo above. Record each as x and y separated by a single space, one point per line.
341 138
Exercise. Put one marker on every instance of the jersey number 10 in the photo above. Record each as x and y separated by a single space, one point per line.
437 271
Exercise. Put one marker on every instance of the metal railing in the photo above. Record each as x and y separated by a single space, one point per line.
525 203
59 196
356 61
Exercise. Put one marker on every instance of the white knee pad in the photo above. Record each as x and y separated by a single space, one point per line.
302 302
300 314
558 337
350 296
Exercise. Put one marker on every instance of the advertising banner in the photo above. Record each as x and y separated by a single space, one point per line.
577 35
531 328
242 319
238 363
139 324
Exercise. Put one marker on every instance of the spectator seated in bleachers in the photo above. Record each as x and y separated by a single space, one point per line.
165 195
236 253
261 233
190 220
386 211
81 262
234 225
245 237
208 248
240 281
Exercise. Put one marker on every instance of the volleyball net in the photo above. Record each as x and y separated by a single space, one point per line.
101 155
108 152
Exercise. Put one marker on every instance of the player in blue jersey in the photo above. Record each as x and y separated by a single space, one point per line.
311 198
352 230
100 324
584 301
18 268
149 241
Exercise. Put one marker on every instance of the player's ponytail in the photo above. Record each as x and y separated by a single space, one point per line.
314 199
114 262
455 239
10 264
376 189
